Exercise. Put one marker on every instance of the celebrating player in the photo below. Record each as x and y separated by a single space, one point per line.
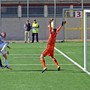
49 51
3 45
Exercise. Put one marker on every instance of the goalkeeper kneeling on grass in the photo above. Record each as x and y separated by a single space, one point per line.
49 51
3 46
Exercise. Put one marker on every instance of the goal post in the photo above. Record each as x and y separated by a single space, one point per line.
85 40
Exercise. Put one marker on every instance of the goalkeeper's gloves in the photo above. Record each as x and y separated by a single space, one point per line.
63 22
51 20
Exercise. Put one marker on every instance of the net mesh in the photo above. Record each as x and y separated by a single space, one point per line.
74 25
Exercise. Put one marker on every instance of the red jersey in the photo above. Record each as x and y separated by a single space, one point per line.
52 38
51 41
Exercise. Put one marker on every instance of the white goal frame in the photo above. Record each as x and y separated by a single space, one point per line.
85 39
85 69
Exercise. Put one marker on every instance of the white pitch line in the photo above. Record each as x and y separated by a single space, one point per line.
27 54
26 57
38 64
71 60
24 54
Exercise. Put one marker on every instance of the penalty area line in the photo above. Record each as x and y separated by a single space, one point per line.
71 60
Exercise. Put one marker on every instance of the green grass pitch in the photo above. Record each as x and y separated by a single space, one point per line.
24 59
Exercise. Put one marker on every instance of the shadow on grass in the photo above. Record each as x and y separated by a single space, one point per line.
26 70
39 70
48 70
30 70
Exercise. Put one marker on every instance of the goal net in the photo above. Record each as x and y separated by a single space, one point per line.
78 28
74 26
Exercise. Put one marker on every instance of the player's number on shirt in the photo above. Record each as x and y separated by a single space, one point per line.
78 14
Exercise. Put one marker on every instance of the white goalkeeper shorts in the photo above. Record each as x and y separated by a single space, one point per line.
3 45
3 52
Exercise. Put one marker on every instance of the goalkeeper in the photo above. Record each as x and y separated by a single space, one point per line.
49 51
3 45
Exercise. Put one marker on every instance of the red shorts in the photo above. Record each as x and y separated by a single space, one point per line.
49 51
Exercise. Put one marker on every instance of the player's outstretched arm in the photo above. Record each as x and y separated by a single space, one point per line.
59 28
49 26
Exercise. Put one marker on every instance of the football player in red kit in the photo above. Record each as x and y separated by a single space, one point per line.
49 51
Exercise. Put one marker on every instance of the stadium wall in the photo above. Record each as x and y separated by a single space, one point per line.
15 30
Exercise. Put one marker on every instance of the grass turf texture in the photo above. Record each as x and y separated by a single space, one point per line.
26 68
